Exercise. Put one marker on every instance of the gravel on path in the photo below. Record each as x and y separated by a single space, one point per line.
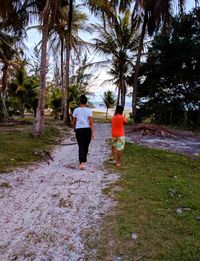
47 209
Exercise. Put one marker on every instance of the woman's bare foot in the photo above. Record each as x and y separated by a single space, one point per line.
82 166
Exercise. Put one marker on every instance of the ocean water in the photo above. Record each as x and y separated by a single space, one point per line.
101 106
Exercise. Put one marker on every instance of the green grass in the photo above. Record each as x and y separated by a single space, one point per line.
18 149
101 120
153 184
98 113
100 117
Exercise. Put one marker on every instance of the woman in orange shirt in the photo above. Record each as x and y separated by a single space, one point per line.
118 136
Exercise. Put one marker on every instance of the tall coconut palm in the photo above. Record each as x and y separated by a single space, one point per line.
154 15
118 40
59 42
63 85
49 13
68 50
38 125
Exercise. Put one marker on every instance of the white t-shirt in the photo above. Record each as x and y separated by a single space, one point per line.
82 115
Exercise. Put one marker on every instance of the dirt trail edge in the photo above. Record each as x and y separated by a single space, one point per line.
46 209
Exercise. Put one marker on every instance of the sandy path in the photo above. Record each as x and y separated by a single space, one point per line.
185 142
46 210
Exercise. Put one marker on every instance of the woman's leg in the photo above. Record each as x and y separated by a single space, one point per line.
83 137
80 140
87 140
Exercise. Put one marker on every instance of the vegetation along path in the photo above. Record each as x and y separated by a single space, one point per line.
47 210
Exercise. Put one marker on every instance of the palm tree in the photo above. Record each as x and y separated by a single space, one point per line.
14 16
49 13
24 88
68 50
8 57
109 100
118 40
60 42
101 8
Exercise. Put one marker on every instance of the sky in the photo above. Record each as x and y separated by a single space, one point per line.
34 37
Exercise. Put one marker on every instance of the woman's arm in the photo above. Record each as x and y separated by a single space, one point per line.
91 126
74 123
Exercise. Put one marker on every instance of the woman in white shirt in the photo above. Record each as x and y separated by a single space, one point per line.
84 129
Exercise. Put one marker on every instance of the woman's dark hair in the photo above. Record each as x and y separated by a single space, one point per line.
83 99
119 109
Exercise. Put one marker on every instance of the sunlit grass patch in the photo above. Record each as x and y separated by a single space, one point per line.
100 114
159 203
102 120
96 113
100 117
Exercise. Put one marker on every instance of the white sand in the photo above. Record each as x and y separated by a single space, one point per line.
47 209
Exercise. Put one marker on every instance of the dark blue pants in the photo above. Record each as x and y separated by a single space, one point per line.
83 137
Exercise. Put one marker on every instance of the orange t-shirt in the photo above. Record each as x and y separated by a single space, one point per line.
117 123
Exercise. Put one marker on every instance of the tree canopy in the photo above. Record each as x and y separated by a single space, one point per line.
170 76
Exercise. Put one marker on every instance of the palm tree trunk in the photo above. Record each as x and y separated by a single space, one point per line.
122 88
121 102
68 49
123 91
118 96
65 94
106 113
4 90
124 96
137 67
67 117
63 105
4 107
22 110
38 125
